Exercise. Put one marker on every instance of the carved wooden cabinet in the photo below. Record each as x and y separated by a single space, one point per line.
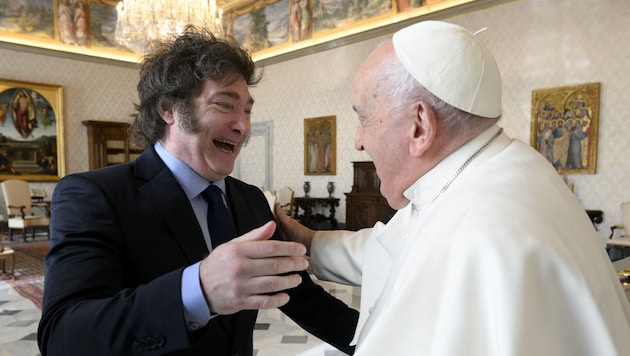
364 204
108 143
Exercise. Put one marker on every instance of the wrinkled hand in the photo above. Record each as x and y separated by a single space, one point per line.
292 229
245 272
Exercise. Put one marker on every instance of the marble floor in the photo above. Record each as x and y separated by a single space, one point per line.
274 335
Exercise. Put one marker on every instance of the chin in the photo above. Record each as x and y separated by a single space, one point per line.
226 172
396 202
221 171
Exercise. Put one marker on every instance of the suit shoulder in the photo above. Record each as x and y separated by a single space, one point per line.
107 172
107 176
240 185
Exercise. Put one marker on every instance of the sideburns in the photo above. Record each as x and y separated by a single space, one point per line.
187 122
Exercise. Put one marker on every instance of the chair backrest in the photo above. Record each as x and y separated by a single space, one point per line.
285 198
16 194
271 199
625 217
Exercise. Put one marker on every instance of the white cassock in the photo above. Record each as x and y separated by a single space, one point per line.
504 262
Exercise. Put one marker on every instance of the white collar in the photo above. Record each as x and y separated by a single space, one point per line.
428 187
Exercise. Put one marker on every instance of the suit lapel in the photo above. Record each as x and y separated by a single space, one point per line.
167 196
246 208
248 204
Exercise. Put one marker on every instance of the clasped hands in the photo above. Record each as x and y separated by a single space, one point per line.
250 271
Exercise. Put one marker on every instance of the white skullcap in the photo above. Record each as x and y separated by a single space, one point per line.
453 64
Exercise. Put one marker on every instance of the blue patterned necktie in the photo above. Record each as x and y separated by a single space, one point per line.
220 221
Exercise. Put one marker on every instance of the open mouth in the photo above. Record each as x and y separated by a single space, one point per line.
224 146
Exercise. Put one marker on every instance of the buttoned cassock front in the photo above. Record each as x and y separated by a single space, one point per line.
504 262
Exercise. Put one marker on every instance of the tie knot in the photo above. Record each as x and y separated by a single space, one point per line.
213 195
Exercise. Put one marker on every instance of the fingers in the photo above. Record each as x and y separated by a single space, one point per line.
255 244
267 301
259 234
277 265
266 286
280 214
249 271
232 292
293 230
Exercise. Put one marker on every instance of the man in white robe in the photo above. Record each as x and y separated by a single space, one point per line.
489 253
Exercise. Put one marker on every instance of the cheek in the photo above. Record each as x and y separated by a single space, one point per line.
371 139
389 152
386 145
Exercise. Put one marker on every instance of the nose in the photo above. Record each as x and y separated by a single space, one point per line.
242 124
358 136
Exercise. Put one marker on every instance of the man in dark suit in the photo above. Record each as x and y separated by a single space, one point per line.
134 266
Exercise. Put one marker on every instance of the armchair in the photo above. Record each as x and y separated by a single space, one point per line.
20 207
285 198
271 199
623 240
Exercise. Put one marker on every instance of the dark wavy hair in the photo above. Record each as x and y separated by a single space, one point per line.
173 72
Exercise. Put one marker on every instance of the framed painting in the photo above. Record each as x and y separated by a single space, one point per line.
31 131
272 30
81 27
564 127
320 146
28 19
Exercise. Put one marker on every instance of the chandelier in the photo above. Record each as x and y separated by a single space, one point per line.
142 21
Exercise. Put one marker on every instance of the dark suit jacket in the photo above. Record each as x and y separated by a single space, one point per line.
120 238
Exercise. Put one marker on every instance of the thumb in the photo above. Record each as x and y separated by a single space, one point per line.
258 234
281 216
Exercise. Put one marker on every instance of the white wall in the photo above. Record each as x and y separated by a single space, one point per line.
538 44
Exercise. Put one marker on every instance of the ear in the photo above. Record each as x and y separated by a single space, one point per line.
166 113
423 130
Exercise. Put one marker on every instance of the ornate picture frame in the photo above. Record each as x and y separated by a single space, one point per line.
320 146
564 127
31 131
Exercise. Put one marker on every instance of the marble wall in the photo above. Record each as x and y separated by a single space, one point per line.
538 44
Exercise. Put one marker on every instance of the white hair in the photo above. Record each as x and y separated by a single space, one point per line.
396 82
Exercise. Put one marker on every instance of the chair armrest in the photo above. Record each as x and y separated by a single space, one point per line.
613 228
20 207
43 205
287 208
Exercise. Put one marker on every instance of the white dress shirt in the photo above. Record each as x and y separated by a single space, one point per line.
196 311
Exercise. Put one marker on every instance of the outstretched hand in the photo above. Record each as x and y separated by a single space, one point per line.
292 229
246 273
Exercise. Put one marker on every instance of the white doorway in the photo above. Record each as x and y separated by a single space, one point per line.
254 163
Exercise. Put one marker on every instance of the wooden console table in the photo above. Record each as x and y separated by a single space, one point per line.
305 210
364 204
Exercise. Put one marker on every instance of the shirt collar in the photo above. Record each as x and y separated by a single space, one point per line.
192 183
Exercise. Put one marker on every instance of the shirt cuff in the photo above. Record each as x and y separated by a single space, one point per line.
196 310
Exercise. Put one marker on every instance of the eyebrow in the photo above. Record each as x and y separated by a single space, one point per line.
233 95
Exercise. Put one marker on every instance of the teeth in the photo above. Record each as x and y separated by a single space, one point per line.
226 142
225 146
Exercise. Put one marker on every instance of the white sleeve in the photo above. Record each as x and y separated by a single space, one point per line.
337 255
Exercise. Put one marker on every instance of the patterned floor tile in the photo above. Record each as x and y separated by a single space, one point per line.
274 333
294 339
